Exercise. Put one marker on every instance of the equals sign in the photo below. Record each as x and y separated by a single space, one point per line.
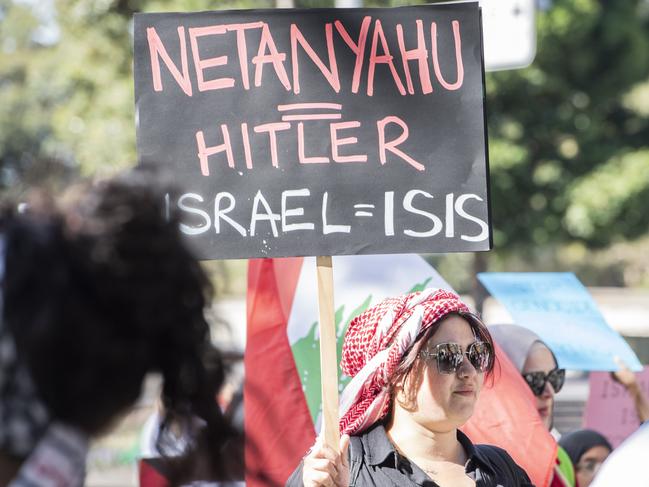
310 116
363 213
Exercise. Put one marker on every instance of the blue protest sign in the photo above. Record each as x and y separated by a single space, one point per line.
557 307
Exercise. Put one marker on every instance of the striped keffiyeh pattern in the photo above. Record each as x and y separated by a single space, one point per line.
375 344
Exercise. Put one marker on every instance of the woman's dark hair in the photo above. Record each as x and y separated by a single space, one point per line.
409 371
102 290
203 427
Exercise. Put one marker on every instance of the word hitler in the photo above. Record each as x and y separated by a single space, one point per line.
221 220
336 131
380 53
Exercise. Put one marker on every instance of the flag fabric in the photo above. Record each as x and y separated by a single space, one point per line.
282 391
151 473
506 416
278 427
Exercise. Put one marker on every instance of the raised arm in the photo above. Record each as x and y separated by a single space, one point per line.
629 380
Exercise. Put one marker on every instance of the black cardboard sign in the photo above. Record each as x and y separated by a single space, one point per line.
318 132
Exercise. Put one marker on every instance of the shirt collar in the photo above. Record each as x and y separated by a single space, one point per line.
475 458
379 449
377 445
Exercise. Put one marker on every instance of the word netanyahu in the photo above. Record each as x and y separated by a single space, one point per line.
369 47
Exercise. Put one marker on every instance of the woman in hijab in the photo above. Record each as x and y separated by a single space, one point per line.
587 449
538 366
417 364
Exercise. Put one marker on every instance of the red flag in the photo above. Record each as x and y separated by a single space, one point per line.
151 474
506 416
278 426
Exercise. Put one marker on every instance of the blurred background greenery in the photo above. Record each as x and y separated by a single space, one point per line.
568 136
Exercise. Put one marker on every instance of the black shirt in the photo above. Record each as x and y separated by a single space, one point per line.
373 461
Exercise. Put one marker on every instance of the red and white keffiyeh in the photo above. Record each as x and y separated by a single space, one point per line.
375 344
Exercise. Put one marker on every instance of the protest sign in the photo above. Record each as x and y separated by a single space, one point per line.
318 132
557 307
610 409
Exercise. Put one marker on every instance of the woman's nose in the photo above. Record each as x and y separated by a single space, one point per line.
548 390
466 368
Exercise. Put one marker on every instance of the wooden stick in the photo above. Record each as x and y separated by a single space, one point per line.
328 357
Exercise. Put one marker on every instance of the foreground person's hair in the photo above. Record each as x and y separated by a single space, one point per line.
101 291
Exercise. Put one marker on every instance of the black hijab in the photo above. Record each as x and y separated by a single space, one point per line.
579 442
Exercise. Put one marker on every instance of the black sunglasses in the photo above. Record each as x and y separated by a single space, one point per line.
537 380
450 356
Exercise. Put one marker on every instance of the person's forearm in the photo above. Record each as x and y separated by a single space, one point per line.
641 403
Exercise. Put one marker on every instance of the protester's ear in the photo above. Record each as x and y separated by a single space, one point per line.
405 388
398 391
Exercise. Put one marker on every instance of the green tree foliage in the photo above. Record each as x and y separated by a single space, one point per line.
25 100
569 136
66 103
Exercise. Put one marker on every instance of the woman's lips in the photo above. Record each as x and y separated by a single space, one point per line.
465 392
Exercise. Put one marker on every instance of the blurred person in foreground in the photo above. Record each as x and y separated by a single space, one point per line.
418 363
587 450
185 437
96 292
627 465
538 366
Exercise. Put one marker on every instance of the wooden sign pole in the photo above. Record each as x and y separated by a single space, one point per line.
328 357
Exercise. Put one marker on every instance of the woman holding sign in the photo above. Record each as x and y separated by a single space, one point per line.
418 363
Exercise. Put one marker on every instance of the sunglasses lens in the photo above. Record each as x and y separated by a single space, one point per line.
479 355
556 378
536 381
449 358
